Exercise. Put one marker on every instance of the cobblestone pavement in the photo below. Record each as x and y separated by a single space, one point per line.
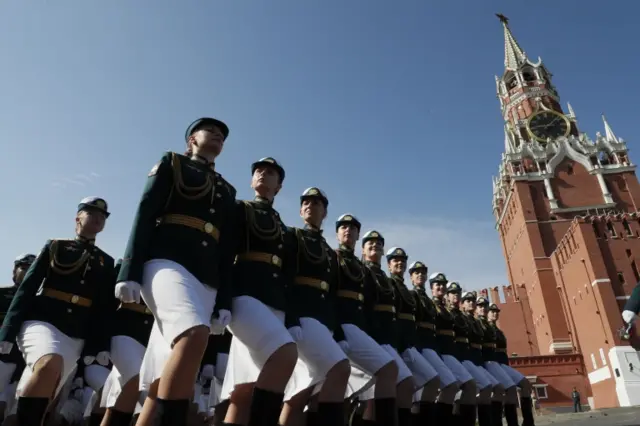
611 417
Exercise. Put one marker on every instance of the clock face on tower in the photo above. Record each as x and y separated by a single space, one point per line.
548 124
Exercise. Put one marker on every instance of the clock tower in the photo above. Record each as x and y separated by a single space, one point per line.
566 210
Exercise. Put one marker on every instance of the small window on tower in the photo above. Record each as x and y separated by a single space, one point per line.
636 274
627 228
596 230
621 278
611 229
528 75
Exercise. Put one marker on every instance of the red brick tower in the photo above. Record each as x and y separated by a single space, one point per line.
566 212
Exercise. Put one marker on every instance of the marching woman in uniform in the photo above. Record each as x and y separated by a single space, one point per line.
178 257
427 345
522 382
425 377
354 306
449 351
11 364
477 370
60 309
263 353
468 402
132 324
311 303
510 390
381 404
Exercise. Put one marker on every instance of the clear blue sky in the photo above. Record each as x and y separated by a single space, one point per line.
390 107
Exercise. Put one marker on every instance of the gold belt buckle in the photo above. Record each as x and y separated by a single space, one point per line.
276 260
74 299
208 228
360 297
324 286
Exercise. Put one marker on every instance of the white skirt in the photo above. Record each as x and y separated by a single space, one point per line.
404 373
499 374
366 355
179 302
126 355
458 370
482 379
447 378
37 339
258 331
420 368
318 352
515 375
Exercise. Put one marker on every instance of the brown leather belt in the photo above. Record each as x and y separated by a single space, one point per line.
408 317
312 282
428 325
191 222
349 294
66 297
489 345
450 333
476 346
136 307
256 256
462 340
385 308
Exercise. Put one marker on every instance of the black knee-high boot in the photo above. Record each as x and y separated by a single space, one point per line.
526 407
496 413
331 414
386 413
120 418
95 419
468 415
171 412
511 414
404 416
427 415
484 415
312 418
31 411
444 413
265 408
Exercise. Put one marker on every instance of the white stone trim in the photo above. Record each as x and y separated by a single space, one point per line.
599 375
600 281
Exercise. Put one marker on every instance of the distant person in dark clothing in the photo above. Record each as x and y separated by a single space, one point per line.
575 395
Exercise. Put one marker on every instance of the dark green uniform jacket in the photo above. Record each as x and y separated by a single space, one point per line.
501 346
71 286
461 329
476 338
133 319
351 301
489 343
445 332
185 215
382 317
313 292
265 261
425 320
405 315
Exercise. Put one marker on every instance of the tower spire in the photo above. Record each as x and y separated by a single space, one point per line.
608 132
514 56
